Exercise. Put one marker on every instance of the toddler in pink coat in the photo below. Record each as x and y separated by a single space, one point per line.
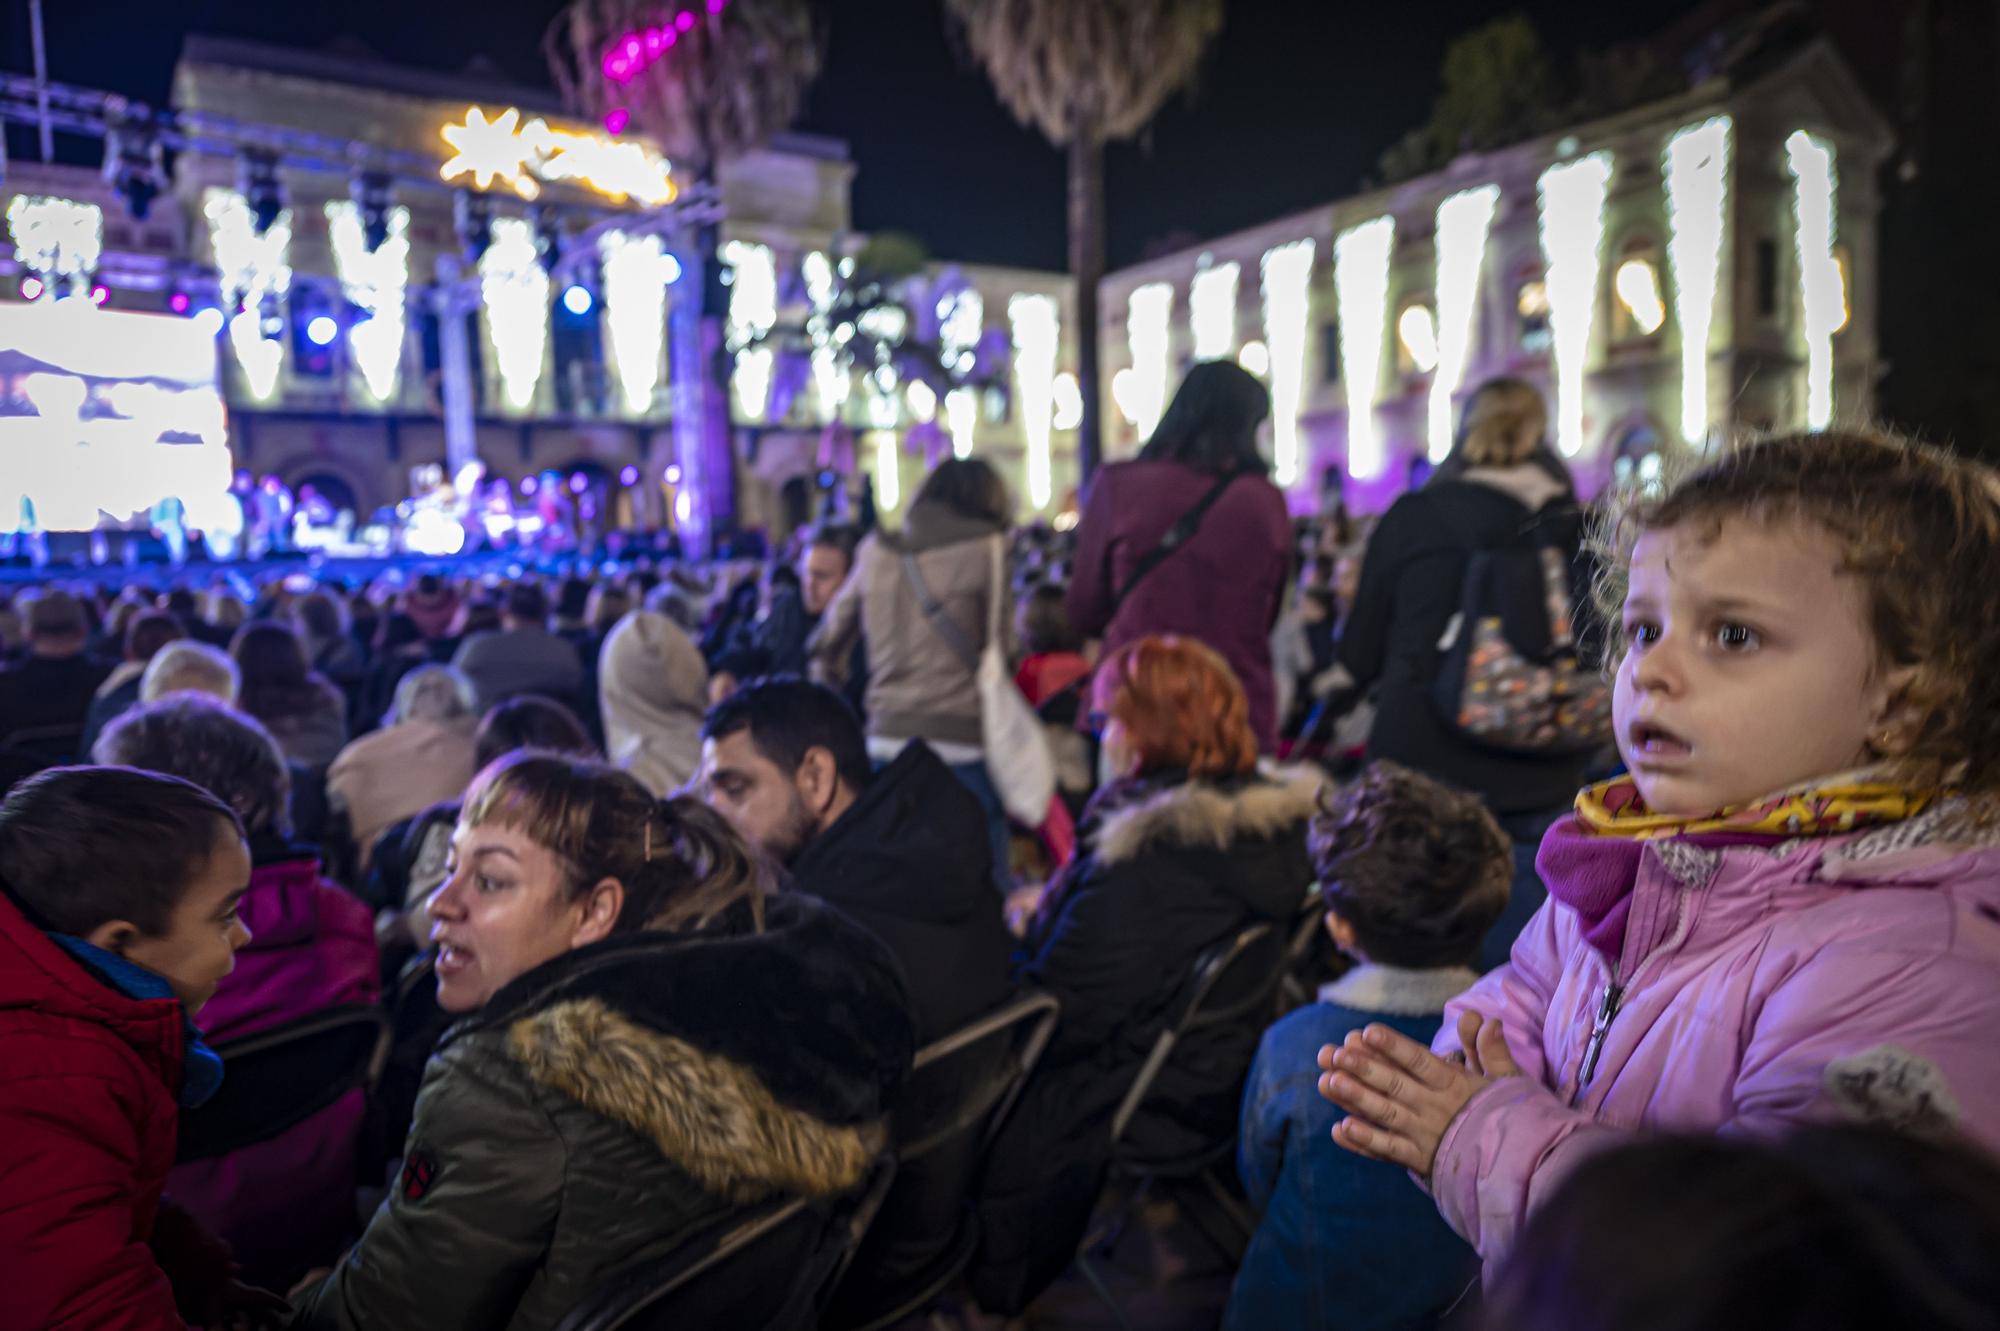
1789 910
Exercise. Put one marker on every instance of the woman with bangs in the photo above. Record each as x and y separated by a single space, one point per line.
1187 845
647 1039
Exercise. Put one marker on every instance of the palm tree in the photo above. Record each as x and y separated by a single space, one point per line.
1085 72
707 84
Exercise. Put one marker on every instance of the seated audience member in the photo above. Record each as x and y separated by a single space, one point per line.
1184 848
422 754
311 947
796 607
1832 1228
432 603
1413 875
615 1080
785 761
522 656
187 666
1054 662
301 708
118 920
399 649
325 628
653 687
50 689
149 631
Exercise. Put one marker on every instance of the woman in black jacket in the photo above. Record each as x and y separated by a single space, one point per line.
1500 476
1187 846
648 1040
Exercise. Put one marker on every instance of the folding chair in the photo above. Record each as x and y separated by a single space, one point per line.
1232 981
959 1094
703 1281
280 1077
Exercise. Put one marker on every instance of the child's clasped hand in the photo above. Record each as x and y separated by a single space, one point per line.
1399 1096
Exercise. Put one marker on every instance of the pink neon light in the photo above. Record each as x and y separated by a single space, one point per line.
684 20
715 6
616 122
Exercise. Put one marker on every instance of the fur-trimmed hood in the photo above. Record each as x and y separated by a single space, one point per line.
756 1062
1249 836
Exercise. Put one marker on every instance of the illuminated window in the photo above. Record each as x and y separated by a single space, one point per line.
1531 304
1843 259
1638 304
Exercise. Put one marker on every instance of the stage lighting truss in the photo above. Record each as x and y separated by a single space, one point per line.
262 190
134 161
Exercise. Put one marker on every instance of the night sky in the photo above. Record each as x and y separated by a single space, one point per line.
1294 104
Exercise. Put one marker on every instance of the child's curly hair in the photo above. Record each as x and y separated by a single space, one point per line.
1418 870
1919 526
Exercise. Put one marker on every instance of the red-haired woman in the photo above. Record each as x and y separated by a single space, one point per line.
1187 845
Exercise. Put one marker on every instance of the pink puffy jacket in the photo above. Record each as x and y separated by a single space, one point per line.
1852 976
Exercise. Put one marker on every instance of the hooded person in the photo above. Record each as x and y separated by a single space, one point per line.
653 687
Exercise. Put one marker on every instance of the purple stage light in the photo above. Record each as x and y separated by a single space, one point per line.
178 302
684 20
617 120
629 477
578 484
100 293
31 288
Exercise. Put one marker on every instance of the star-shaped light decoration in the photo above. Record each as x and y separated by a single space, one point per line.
490 150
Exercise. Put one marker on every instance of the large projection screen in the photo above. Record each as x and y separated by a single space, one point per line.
106 414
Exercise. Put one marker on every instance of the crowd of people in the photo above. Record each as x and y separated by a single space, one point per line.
1610 900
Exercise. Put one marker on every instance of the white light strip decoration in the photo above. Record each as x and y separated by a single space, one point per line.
374 283
1212 311
250 268
1572 208
1037 325
830 378
55 238
1361 287
514 287
1464 221
637 270
961 323
961 415
1815 182
1149 332
753 311
1697 175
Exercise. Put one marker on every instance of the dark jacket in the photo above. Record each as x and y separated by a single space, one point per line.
611 1102
1223 587
41 692
88 1115
1409 591
1165 868
895 864
510 662
1345 1241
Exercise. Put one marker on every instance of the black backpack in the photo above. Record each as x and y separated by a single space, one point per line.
1510 675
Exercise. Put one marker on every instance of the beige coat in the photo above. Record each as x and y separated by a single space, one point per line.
388 775
918 686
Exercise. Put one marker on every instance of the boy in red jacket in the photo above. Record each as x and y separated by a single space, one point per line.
118 892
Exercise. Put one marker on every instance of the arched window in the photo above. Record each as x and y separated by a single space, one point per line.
1531 312
1638 300
1416 337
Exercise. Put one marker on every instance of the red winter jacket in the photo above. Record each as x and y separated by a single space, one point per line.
87 1122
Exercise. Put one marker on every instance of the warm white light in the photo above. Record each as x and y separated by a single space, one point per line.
1212 310
1697 177
1361 285
961 323
753 312
1286 273
514 287
576 299
1037 325
57 238
1148 332
1637 283
250 268
961 414
1254 357
1572 226
1464 220
321 329
1124 392
636 278
1417 330
1069 402
1816 184
888 471
922 400
375 282
829 372
520 156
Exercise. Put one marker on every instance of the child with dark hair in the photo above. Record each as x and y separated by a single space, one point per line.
1413 874
117 922
1836 1229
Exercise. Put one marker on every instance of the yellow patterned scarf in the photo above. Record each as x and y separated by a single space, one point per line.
1614 808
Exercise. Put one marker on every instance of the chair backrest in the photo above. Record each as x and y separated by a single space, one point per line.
719 1275
1231 979
963 1084
280 1077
